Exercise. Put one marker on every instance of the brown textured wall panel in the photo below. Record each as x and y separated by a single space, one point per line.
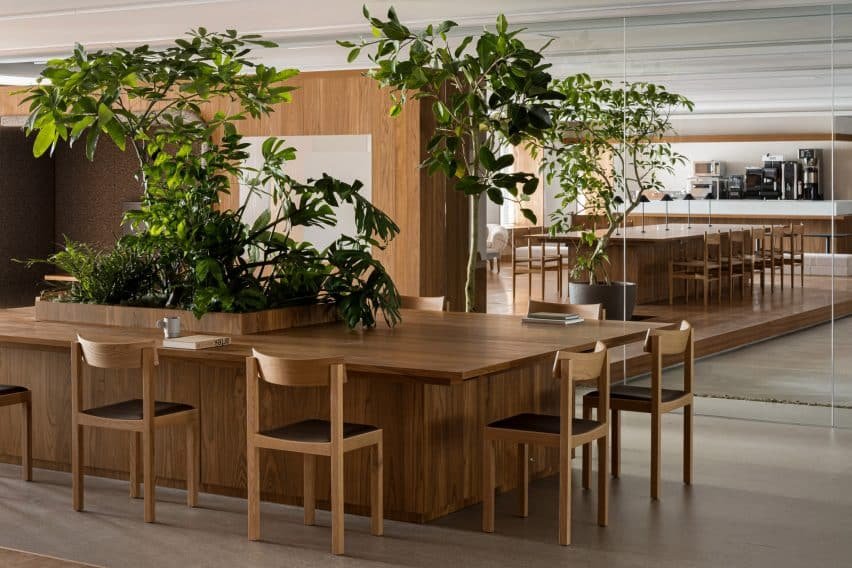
26 217
90 196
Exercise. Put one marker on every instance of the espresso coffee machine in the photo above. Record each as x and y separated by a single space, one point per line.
791 180
753 183
810 159
736 187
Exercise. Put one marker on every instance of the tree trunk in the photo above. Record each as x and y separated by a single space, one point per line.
470 283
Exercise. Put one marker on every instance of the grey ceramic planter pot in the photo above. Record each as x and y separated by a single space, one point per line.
617 298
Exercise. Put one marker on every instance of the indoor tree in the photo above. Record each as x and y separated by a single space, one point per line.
488 92
204 256
605 150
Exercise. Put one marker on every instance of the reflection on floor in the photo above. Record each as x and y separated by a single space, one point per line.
792 368
759 499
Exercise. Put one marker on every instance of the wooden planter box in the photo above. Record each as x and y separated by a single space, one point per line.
228 324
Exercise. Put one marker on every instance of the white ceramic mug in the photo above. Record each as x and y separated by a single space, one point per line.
170 326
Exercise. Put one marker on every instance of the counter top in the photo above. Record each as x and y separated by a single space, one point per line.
752 208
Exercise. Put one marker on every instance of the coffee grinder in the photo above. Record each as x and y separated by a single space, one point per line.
810 159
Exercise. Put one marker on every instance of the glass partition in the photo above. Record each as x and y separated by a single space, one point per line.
762 84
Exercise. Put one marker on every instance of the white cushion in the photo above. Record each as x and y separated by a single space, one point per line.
498 238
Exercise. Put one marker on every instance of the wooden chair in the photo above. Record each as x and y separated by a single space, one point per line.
563 432
773 254
734 261
754 260
655 400
426 303
11 395
793 251
585 311
311 438
706 269
536 259
140 416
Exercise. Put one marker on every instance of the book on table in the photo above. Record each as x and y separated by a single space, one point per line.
196 342
552 318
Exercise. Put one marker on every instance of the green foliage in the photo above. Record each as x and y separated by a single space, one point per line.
488 92
123 275
205 257
607 148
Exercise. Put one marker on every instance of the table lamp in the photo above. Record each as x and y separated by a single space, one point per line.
688 198
643 199
667 197
617 200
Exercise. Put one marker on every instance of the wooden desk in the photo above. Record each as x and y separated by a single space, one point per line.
646 260
431 383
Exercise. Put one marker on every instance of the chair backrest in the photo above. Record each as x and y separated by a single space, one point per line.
712 247
295 372
427 303
326 372
113 355
668 342
585 311
569 368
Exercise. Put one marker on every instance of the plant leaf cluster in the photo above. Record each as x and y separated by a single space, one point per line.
606 150
488 93
206 257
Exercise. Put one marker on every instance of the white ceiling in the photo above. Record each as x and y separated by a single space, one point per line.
727 55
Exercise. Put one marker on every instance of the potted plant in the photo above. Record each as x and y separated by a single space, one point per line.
605 151
188 251
488 92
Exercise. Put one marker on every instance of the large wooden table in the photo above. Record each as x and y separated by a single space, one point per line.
643 256
431 384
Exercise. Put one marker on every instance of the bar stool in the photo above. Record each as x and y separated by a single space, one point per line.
424 303
310 438
11 395
563 432
139 416
655 400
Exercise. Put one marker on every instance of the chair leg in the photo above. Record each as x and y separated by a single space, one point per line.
656 439
77 466
488 483
135 463
523 480
564 498
193 461
603 486
587 451
616 442
377 511
514 285
543 276
337 502
150 480
309 471
687 444
253 486
27 440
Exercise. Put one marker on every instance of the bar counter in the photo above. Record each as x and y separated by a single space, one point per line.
431 384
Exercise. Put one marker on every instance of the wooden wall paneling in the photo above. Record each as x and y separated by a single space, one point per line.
47 373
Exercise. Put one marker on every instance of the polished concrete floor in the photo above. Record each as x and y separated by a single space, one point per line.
764 495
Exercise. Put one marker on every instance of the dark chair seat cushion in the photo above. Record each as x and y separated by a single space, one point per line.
11 389
545 423
132 409
630 392
315 431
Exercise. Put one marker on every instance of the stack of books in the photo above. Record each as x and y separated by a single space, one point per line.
552 318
